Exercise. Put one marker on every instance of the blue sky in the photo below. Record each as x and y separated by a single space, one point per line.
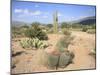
43 12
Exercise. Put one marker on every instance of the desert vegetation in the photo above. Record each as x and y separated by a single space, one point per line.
57 46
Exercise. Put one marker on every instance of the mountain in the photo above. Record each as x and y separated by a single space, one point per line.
87 20
18 23
84 21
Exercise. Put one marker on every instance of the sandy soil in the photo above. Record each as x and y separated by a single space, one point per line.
82 45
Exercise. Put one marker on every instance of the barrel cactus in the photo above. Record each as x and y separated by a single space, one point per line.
52 60
65 59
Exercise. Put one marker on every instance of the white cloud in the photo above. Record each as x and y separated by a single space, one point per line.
18 10
27 12
21 15
72 17
36 13
59 15
83 16
45 16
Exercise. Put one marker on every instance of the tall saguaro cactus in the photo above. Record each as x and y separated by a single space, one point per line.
55 20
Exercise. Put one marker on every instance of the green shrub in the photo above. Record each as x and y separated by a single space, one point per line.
91 31
50 31
93 26
17 32
36 32
93 52
30 33
14 62
49 25
33 43
42 36
84 29
63 43
65 59
66 32
65 25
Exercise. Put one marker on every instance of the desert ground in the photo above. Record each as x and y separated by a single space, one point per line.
29 61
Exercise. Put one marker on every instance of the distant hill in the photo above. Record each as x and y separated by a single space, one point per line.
87 20
19 23
84 21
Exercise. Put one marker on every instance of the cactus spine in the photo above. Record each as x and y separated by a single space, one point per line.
55 19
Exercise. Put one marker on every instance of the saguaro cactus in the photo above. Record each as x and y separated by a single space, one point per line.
55 19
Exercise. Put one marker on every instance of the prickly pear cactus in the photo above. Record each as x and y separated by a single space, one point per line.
33 43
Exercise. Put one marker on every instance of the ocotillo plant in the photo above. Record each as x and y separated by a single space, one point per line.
55 19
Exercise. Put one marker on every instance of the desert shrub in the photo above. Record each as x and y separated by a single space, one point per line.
30 33
65 25
66 32
36 32
63 43
93 26
76 26
49 25
65 59
50 31
33 43
93 52
35 24
91 31
16 32
84 29
14 62
41 58
42 36
25 26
